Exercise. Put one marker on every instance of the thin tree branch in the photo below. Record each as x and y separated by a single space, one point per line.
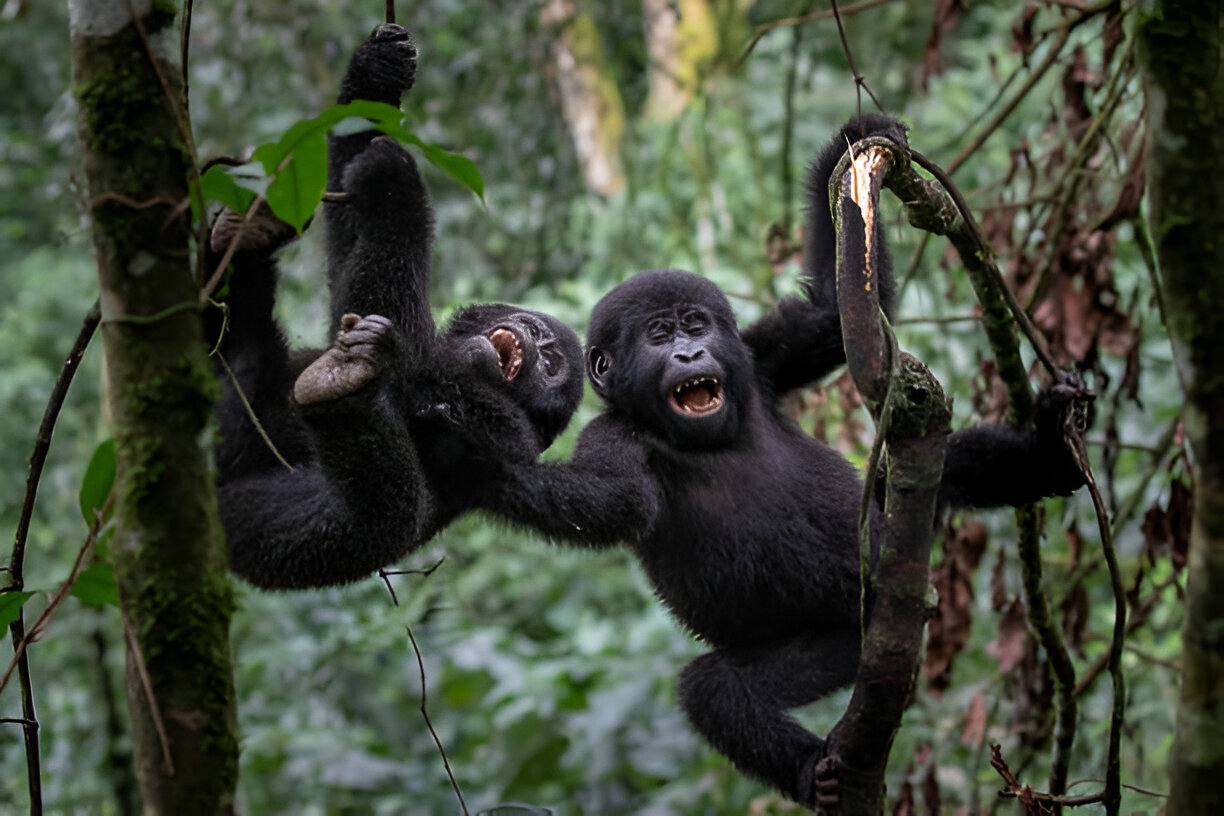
424 707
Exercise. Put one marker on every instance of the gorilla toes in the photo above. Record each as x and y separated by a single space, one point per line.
818 783
259 232
362 345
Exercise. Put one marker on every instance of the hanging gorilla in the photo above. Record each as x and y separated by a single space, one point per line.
391 433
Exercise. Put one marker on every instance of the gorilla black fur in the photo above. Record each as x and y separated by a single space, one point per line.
746 526
392 432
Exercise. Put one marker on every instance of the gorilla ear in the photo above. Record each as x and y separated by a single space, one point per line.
598 364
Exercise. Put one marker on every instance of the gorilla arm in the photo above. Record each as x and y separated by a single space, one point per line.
606 495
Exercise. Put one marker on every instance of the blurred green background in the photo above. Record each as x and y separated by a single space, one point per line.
550 672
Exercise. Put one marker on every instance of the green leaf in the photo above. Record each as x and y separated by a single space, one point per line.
296 163
10 606
460 168
218 184
296 191
98 480
96 585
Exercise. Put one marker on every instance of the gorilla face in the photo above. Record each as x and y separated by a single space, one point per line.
665 352
534 357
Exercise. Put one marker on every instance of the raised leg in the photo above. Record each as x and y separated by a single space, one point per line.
252 347
738 700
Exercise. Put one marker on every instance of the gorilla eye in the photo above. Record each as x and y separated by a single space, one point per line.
694 322
660 330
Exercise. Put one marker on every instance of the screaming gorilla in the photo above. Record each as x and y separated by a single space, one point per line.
396 429
746 527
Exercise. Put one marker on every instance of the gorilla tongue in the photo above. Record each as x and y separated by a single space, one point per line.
509 352
700 395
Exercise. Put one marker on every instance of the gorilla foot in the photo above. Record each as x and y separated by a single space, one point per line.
260 231
818 783
352 361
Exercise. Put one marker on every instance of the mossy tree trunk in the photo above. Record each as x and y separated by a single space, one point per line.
168 548
1181 44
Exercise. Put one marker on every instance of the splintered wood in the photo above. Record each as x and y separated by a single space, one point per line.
863 170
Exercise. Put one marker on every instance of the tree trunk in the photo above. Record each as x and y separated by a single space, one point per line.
1184 84
168 549
590 100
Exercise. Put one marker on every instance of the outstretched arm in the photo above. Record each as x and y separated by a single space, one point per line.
994 465
800 341
606 495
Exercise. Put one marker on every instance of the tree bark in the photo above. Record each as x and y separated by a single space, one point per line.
1180 44
168 549
590 99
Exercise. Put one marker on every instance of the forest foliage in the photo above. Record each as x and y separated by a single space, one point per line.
550 672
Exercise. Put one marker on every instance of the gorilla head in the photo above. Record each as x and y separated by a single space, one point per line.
664 351
532 357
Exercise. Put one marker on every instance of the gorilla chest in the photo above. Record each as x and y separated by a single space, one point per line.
751 546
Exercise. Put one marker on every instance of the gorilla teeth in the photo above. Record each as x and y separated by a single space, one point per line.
509 352
700 395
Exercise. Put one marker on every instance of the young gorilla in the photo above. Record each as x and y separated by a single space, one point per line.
393 431
747 527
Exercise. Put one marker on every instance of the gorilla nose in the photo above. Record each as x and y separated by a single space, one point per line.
688 355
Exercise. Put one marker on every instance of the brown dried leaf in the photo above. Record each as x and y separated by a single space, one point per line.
1008 646
1075 611
975 722
1167 529
948 632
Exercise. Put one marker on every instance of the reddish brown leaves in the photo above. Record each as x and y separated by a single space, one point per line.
948 632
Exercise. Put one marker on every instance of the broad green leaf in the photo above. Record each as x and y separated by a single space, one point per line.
297 162
460 168
298 187
98 480
96 585
10 606
218 184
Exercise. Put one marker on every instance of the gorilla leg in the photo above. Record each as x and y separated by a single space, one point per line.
738 699
252 346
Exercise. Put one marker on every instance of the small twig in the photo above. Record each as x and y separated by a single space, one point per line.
259 428
219 272
42 443
30 729
860 81
178 104
763 29
18 721
424 707
19 648
16 568
185 48
429 724
137 658
390 11
1035 338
